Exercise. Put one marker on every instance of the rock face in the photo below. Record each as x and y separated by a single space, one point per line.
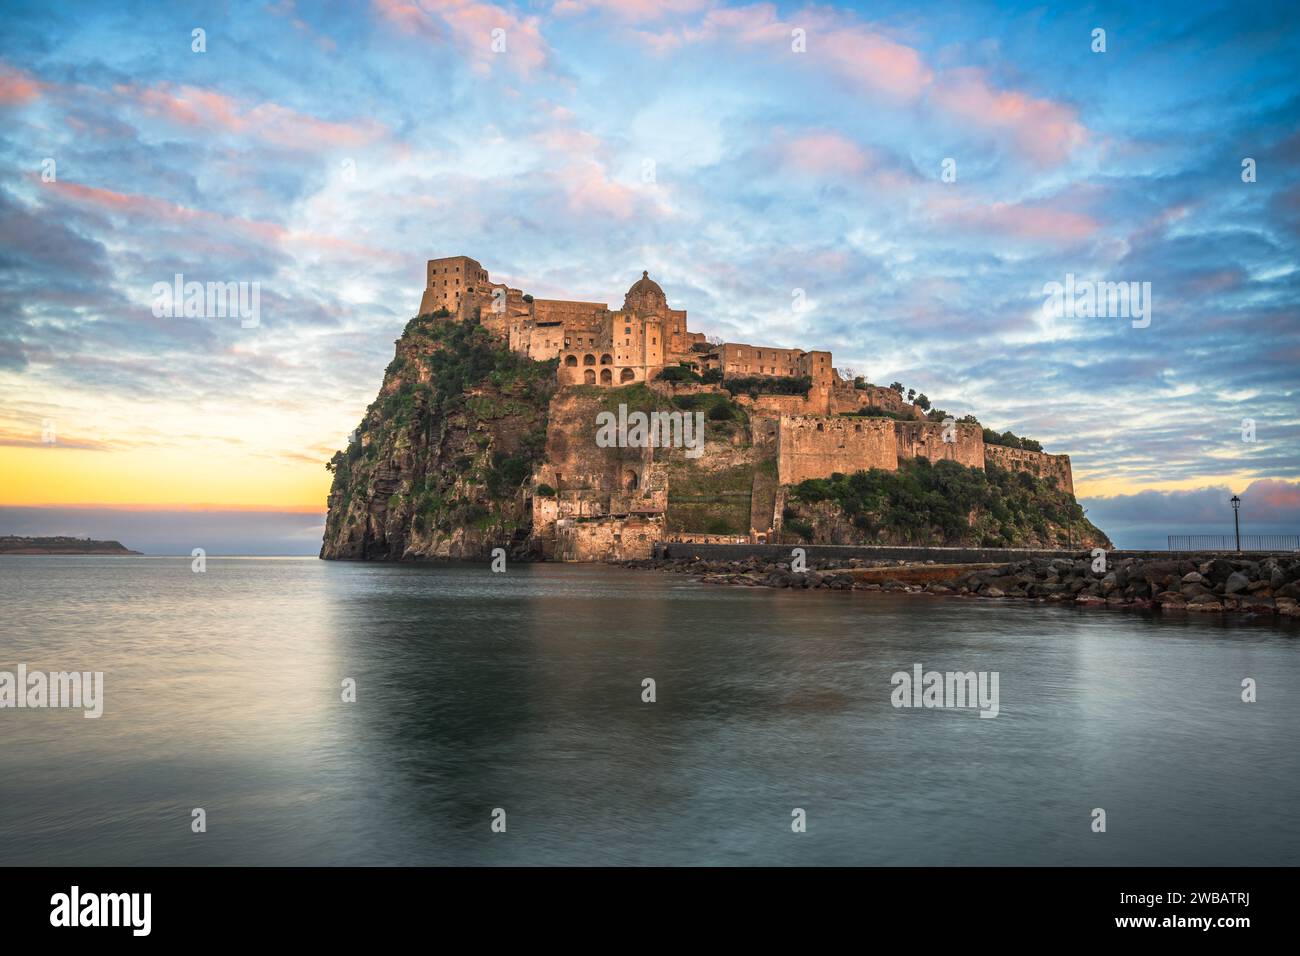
439 466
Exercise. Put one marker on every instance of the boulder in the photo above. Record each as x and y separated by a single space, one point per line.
1237 581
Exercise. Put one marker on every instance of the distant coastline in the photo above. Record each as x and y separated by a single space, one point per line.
15 544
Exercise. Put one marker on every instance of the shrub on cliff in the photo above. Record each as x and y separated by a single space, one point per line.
769 384
679 373
933 504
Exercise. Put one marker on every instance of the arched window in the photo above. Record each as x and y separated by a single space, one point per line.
571 360
589 359
606 360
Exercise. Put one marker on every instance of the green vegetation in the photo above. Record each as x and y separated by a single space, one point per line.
1007 438
1010 441
455 388
680 373
756 385
921 503
714 501
874 411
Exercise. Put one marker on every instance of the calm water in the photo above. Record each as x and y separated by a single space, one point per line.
523 691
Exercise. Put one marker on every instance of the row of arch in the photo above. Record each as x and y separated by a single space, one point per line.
607 376
589 359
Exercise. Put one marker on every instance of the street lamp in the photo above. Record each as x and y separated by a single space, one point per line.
1236 520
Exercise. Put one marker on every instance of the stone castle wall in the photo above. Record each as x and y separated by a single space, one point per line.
817 446
1036 463
607 539
925 440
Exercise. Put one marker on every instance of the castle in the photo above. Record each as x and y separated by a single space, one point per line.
612 503
597 345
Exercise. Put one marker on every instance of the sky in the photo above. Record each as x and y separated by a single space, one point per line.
897 186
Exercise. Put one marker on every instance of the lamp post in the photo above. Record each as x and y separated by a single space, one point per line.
1236 520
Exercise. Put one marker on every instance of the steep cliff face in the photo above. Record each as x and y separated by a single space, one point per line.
439 465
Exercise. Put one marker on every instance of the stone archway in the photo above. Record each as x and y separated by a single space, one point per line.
606 377
589 376
606 359
626 375
571 361
629 480
589 359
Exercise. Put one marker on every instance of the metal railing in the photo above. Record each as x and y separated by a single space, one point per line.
1228 542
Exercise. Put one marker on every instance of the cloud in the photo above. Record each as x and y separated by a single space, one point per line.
16 86
1036 222
1147 518
1043 131
213 111
1046 131
470 26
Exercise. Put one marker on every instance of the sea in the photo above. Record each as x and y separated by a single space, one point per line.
292 711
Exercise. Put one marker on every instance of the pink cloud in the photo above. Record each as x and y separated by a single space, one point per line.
634 11
875 62
868 61
823 151
201 108
153 210
1046 131
1275 495
589 189
17 87
1036 222
470 25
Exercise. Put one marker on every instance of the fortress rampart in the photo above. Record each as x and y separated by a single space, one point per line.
1037 463
815 446
818 446
926 440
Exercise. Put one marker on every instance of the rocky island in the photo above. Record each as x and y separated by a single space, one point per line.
14 544
492 428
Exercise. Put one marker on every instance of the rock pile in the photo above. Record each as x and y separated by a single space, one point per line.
1266 585
1269 585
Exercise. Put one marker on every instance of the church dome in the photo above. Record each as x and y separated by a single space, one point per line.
646 284
645 296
